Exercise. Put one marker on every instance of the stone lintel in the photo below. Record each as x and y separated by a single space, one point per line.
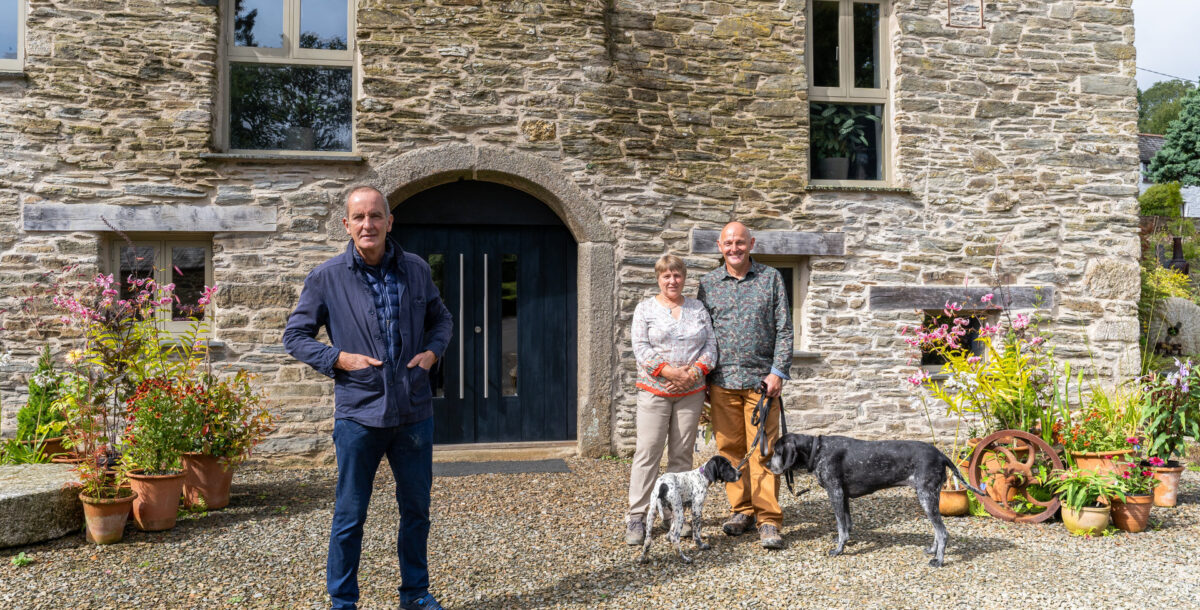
780 243
935 297
194 218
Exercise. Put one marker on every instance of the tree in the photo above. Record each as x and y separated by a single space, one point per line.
1160 104
1179 158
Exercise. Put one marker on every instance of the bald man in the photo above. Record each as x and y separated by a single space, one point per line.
753 325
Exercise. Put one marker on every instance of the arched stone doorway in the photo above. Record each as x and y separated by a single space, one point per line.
419 170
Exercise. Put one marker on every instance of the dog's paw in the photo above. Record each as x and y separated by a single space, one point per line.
935 563
703 546
685 558
835 552
643 559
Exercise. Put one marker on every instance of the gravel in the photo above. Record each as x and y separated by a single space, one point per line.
556 541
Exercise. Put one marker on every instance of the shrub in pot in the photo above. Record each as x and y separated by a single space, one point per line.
224 421
1170 413
155 439
1131 511
40 422
106 500
1085 497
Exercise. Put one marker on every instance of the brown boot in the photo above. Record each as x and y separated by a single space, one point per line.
737 524
635 531
769 535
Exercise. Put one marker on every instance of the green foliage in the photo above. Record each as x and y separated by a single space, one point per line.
1160 104
158 434
21 560
1171 411
43 389
837 129
1080 489
1161 200
224 417
1158 283
1135 480
14 452
1108 422
1179 158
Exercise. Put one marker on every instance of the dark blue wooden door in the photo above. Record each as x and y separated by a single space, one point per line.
509 372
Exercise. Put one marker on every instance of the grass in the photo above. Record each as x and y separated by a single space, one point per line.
21 560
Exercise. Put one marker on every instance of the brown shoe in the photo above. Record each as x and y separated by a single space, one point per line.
635 531
769 535
737 524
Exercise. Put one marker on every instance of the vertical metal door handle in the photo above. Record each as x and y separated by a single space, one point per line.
462 357
485 325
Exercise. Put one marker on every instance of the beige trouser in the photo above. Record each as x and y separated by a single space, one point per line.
757 492
661 420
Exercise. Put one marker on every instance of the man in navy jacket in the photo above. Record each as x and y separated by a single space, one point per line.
388 326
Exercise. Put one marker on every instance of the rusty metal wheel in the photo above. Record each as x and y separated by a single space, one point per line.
1006 461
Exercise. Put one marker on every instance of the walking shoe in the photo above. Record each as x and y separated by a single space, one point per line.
737 524
769 535
635 532
425 602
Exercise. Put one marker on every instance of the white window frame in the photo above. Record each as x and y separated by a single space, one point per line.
801 267
18 64
289 54
164 271
847 93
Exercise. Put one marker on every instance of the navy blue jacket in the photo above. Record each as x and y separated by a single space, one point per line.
336 297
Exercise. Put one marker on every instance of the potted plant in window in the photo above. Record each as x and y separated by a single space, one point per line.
836 131
1085 498
1170 412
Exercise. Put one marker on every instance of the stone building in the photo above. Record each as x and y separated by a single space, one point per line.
890 155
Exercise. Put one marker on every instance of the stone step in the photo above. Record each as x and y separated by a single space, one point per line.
36 504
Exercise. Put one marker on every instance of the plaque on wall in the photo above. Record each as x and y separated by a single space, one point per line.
965 13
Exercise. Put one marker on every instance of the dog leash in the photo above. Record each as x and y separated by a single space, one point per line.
758 419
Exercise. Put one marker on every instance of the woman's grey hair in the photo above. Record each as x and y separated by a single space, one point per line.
670 262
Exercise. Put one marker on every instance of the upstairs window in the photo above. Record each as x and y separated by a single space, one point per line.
12 35
848 101
288 75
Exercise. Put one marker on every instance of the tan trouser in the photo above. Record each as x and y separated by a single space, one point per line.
757 492
661 420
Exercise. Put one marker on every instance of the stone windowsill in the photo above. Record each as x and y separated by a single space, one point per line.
836 188
12 74
266 157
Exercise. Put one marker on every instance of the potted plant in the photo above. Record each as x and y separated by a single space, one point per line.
154 441
225 421
1170 413
1094 439
836 131
106 500
1085 498
39 422
1131 510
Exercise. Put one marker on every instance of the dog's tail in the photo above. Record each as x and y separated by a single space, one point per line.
958 475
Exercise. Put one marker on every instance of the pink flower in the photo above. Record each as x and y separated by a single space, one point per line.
1132 440
1020 322
974 359
987 298
1156 461
918 378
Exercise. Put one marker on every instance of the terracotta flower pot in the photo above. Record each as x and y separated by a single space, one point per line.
157 500
1090 520
66 458
1165 493
206 477
1099 462
105 518
1132 515
953 502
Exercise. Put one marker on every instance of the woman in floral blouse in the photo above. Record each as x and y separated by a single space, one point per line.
675 349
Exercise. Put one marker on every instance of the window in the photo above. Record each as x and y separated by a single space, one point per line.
12 35
288 77
187 264
848 67
795 281
931 360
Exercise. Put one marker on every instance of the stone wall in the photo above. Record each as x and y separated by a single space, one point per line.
1014 145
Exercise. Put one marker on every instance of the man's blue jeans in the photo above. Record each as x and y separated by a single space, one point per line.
409 450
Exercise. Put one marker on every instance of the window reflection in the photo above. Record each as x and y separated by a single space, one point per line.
289 107
10 13
258 23
825 44
508 324
323 24
136 262
187 273
866 45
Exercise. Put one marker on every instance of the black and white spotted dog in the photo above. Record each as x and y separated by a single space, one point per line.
675 491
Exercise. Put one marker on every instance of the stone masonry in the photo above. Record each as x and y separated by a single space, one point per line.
637 121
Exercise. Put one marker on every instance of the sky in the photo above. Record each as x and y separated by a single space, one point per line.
1167 39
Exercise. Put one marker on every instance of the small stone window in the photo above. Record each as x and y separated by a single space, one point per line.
936 319
288 75
12 35
185 263
795 272
848 56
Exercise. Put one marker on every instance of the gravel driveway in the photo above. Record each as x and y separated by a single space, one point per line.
555 540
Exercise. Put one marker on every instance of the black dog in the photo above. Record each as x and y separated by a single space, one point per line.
679 490
849 468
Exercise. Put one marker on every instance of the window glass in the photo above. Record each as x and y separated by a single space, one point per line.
846 141
323 24
136 262
187 273
10 15
866 45
966 341
258 23
824 32
290 107
508 324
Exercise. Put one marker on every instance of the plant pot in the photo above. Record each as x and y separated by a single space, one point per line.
1132 515
105 518
1165 493
1099 462
1090 520
206 477
834 168
157 501
953 502
66 458
50 446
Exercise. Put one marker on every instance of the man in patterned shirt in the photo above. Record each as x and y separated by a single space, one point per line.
752 321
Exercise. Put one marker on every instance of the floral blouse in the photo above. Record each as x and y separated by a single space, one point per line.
660 340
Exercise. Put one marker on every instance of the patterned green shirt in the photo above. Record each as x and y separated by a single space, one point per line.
753 325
